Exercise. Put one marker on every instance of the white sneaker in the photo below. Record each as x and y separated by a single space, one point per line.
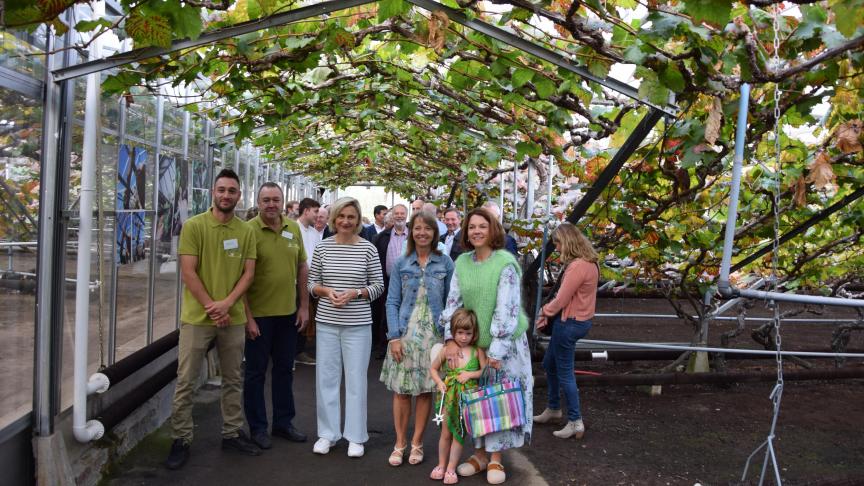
574 428
322 446
547 416
355 450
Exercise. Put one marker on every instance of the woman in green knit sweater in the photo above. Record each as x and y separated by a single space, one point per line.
487 281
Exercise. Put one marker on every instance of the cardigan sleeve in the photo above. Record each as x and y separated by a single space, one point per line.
505 319
454 301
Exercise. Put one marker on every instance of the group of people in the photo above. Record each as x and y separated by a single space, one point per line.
452 310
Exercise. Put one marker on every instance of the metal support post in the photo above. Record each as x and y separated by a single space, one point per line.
50 239
529 193
112 322
723 285
155 257
515 191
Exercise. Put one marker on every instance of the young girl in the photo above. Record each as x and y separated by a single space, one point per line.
463 327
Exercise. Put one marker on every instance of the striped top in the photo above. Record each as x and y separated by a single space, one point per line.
346 267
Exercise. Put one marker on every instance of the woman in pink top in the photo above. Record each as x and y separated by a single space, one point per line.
575 300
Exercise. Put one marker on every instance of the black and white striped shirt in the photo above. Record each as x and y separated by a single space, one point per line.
345 267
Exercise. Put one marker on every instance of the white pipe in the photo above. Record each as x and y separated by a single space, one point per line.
724 286
82 429
812 354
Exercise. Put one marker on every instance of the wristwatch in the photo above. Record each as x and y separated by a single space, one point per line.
359 293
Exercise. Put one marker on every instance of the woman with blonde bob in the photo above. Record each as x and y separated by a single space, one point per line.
345 275
575 302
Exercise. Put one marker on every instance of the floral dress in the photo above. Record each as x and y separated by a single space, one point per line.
411 376
452 399
513 354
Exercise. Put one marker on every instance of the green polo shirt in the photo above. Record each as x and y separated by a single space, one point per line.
274 291
222 250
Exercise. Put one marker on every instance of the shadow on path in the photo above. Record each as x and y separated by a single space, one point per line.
292 463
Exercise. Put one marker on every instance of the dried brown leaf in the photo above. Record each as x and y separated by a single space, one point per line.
714 122
821 174
847 137
437 30
800 197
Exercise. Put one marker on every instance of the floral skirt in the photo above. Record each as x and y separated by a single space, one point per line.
412 376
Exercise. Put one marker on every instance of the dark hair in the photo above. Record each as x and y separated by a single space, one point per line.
453 210
496 231
432 222
226 173
270 185
379 209
465 319
306 203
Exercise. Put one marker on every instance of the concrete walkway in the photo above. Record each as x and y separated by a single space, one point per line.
291 463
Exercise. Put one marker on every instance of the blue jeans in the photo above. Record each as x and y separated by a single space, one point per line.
278 340
558 363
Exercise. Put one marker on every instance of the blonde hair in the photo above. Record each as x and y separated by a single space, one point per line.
465 320
573 244
338 206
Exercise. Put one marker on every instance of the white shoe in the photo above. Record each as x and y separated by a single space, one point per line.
574 428
322 446
355 450
547 416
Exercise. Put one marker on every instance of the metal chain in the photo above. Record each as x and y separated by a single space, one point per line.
777 191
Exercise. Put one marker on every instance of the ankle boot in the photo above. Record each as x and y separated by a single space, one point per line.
574 428
547 416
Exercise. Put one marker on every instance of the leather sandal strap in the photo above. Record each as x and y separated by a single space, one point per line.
494 466
475 463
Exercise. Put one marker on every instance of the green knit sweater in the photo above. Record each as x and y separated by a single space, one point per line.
478 284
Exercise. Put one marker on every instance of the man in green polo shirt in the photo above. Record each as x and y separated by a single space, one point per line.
217 263
273 319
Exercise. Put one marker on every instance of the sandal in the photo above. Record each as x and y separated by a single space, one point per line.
450 477
495 473
471 467
416 456
396 456
437 474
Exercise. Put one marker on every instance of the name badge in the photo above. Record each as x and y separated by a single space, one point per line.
288 234
230 244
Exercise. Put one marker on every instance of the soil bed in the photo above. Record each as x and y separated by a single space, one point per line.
704 433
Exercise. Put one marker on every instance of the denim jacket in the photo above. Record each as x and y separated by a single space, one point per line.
404 285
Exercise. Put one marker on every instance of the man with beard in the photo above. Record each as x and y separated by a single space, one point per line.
391 245
217 263
274 318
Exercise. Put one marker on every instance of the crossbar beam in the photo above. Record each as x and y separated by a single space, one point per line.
123 58
543 53
609 172
816 218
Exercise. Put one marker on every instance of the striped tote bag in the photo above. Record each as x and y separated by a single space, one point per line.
497 404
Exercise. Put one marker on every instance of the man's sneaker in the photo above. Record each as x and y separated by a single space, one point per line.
547 416
322 446
574 428
241 444
304 358
178 456
355 450
262 440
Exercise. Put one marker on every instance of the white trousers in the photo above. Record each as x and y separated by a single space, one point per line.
341 348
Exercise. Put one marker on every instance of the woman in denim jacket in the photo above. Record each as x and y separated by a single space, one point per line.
419 283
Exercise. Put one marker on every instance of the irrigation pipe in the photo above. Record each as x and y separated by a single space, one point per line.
721 350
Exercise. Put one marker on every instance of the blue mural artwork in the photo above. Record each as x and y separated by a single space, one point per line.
131 191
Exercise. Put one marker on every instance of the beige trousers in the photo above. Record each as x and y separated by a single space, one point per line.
194 341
